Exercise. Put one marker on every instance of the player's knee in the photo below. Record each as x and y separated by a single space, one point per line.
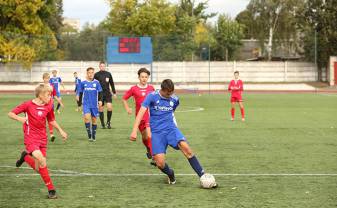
160 163
42 162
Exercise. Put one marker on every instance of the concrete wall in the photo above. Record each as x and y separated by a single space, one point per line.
178 71
331 71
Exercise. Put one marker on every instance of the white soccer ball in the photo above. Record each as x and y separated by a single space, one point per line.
207 181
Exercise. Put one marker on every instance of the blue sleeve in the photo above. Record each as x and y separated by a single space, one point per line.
148 100
176 104
79 89
99 87
60 80
50 81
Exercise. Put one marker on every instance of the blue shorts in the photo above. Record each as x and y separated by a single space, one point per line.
93 111
58 94
160 140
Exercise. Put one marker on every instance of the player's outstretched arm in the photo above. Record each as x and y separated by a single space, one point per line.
16 117
126 106
139 117
60 130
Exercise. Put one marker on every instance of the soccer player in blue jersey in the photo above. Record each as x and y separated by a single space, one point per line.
91 99
162 105
77 86
57 83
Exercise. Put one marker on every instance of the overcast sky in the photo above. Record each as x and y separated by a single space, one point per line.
94 11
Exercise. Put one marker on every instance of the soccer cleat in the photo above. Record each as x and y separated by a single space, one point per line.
148 155
232 119
153 163
108 125
52 138
20 161
90 140
76 109
52 194
58 112
243 119
103 127
171 179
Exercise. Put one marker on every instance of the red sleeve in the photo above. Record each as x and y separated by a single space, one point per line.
230 85
51 115
128 94
22 108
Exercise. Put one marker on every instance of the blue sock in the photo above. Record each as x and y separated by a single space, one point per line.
167 170
87 127
196 165
94 127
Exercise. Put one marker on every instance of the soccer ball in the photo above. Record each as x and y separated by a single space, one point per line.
207 181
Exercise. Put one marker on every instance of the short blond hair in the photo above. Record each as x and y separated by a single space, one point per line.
45 75
54 70
42 88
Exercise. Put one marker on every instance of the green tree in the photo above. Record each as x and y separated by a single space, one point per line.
317 22
228 37
26 35
271 20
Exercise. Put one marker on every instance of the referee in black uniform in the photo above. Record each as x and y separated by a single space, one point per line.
106 81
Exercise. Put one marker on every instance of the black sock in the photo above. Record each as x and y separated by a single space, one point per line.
87 127
109 116
196 166
93 130
58 106
101 117
167 170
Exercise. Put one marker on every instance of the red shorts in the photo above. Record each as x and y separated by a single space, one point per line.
236 99
33 147
143 125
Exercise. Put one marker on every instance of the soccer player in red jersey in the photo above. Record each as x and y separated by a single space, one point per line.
139 93
46 78
236 88
35 137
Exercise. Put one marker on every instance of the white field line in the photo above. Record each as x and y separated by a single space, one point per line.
68 173
193 109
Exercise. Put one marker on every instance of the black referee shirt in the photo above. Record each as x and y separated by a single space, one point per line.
105 79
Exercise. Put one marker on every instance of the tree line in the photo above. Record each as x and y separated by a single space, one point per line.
32 30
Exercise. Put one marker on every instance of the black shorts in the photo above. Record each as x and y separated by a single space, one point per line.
107 97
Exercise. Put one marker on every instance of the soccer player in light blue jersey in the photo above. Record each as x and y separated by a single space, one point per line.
57 83
162 105
91 99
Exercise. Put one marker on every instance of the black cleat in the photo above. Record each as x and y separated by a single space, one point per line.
52 194
52 138
171 179
108 125
148 155
153 163
20 161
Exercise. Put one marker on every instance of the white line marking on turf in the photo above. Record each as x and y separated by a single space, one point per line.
193 109
68 173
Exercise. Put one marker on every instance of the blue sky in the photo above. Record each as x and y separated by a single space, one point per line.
95 11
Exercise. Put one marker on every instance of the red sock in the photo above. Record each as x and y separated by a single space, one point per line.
233 112
149 144
51 128
242 112
45 177
144 142
30 161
